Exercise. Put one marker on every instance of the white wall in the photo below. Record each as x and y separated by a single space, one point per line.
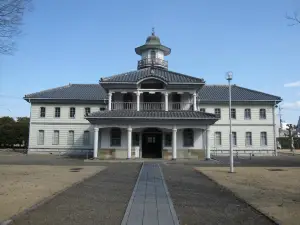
64 113
240 125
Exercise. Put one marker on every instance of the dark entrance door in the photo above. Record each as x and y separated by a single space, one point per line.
152 143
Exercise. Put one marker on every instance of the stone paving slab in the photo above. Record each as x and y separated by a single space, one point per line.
150 203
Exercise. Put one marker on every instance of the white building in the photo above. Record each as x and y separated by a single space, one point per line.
151 112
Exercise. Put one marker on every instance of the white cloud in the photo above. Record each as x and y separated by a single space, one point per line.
292 105
293 84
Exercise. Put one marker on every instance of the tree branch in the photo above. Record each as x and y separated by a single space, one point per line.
295 19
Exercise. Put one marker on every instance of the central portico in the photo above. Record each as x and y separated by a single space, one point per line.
152 112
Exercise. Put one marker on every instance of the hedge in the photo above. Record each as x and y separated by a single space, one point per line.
285 142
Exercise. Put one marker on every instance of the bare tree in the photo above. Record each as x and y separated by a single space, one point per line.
292 133
11 16
294 19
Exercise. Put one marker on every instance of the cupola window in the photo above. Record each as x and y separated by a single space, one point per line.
153 54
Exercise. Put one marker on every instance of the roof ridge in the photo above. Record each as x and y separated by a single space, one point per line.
50 89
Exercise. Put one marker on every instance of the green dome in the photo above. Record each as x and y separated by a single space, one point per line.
153 40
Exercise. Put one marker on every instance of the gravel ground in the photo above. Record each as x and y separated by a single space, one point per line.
197 200
101 199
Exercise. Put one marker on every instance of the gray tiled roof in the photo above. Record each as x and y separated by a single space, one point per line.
221 93
72 91
152 114
208 93
166 75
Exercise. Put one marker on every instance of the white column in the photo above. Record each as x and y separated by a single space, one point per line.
129 136
96 135
174 143
166 101
109 100
274 130
195 101
207 144
138 101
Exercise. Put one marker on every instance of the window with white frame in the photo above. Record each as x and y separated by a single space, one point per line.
202 110
57 112
248 139
86 138
262 114
247 114
218 138
41 137
72 112
263 139
71 137
168 139
218 112
42 112
188 138
234 139
87 111
233 113
55 137
115 137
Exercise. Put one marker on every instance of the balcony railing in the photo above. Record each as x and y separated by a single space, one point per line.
149 106
152 61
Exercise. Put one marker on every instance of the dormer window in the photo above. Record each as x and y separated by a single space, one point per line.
153 54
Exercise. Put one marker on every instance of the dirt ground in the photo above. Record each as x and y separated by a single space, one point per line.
24 186
275 193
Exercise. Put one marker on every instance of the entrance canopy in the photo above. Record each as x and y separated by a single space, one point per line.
152 117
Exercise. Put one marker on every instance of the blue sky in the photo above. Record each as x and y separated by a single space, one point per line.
81 41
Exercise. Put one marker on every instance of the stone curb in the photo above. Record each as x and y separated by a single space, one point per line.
45 200
267 215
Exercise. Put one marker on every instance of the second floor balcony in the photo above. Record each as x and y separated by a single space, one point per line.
147 62
152 106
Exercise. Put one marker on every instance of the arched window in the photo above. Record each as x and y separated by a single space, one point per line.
115 137
188 138
153 54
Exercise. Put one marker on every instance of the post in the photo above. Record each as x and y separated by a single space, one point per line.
207 144
195 101
229 78
129 136
166 101
109 100
96 134
174 143
274 130
138 101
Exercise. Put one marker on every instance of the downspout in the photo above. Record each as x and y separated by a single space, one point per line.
274 129
29 127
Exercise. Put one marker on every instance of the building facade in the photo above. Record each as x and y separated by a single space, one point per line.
151 113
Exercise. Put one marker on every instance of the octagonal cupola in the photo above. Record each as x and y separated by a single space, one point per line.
153 53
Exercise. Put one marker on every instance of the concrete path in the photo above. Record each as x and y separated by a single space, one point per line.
198 200
101 199
150 203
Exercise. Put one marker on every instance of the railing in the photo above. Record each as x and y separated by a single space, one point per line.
152 61
180 106
148 106
123 106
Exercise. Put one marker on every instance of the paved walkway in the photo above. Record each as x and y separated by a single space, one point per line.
150 202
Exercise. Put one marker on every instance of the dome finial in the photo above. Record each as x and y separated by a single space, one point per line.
153 31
